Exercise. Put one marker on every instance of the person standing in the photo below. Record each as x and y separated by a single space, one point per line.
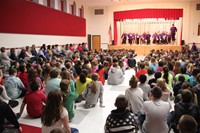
130 38
124 37
173 31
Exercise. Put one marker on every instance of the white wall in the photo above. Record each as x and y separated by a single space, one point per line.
194 20
191 17
99 24
20 40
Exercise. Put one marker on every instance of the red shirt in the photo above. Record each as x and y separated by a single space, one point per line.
101 76
24 77
71 48
159 69
142 71
79 48
34 101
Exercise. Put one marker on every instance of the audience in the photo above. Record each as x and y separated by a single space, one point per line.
44 68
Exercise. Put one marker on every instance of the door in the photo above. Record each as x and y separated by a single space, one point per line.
89 41
96 42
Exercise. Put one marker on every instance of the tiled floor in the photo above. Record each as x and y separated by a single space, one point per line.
89 120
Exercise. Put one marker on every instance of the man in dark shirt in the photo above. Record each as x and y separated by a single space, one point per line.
124 37
173 31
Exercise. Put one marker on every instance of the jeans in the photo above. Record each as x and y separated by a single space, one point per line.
74 130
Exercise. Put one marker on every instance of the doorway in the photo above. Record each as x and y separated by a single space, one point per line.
89 36
96 42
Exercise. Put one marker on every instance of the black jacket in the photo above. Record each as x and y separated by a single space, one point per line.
7 113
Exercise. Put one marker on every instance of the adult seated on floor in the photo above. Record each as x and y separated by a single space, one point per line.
115 75
4 59
7 113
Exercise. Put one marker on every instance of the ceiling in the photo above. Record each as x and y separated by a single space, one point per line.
95 3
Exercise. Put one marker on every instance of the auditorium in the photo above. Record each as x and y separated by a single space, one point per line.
113 66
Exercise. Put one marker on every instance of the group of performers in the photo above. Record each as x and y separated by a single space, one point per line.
145 38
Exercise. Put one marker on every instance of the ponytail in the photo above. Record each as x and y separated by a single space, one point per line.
166 73
93 87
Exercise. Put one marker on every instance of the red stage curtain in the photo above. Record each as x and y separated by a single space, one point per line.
171 14
48 3
72 9
62 5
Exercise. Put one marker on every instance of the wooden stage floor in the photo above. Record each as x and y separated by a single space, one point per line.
145 49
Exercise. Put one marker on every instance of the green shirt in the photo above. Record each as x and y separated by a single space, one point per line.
69 103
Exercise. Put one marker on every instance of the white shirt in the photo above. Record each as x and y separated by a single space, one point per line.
135 99
156 116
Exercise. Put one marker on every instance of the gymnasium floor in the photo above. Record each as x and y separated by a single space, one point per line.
89 120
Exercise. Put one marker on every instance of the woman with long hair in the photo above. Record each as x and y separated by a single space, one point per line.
54 114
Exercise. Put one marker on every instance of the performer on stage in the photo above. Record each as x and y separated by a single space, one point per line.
163 38
159 37
148 38
137 36
143 38
130 38
173 31
124 37
154 38
169 38
133 35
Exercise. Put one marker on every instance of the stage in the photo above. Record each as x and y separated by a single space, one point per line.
145 49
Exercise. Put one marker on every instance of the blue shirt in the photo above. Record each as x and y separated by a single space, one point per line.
13 86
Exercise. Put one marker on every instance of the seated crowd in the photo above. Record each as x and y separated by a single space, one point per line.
54 78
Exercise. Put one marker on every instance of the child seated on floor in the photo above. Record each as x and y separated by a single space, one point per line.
121 120
93 92
34 99
69 97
